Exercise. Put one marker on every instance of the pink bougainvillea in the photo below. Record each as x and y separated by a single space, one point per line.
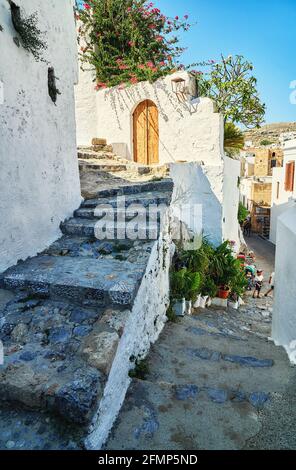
127 41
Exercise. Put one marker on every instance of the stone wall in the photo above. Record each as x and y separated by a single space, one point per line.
189 130
39 177
142 328
284 319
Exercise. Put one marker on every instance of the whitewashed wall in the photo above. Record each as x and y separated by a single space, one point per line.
284 309
190 131
214 191
39 180
231 199
282 200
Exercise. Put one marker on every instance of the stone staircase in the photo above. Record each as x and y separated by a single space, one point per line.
83 310
100 157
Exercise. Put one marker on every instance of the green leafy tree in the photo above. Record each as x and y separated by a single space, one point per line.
127 41
233 88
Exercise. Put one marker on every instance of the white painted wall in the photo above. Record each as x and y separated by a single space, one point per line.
231 194
284 309
282 200
142 328
188 131
214 191
39 177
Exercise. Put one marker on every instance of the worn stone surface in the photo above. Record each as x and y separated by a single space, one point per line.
215 382
61 323
44 365
99 349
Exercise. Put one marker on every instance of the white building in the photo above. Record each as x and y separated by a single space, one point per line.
39 177
163 123
151 123
283 186
284 309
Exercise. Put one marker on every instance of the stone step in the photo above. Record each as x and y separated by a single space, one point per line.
125 200
98 281
153 212
111 167
110 230
137 252
163 185
87 154
57 355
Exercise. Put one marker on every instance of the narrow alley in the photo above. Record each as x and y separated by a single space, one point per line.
215 381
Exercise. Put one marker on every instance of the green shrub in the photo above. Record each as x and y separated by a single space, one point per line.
30 34
140 371
242 213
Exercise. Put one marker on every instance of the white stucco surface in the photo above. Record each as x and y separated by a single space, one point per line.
282 199
39 177
188 131
212 193
142 328
231 199
284 309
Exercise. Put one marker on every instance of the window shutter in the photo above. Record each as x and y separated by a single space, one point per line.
289 177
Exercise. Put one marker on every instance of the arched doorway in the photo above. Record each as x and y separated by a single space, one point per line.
146 133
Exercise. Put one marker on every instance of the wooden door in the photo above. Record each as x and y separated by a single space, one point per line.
146 133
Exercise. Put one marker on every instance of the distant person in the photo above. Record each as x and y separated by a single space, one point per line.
247 227
271 283
250 270
258 281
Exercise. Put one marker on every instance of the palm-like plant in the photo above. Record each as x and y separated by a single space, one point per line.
233 139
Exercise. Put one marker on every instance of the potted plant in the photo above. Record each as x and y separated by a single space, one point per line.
223 269
177 287
192 285
208 291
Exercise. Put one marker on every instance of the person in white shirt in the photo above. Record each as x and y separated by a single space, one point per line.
258 281
271 283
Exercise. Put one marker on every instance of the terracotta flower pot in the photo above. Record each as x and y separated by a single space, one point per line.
223 293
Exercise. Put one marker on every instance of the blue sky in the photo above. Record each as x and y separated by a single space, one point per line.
264 31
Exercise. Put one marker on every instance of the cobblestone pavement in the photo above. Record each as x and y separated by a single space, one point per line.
216 381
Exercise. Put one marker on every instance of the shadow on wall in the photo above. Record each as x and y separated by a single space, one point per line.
129 98
122 100
194 185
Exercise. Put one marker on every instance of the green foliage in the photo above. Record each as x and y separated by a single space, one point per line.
30 34
205 270
234 90
209 288
223 266
233 139
242 213
172 317
140 371
266 142
127 41
185 284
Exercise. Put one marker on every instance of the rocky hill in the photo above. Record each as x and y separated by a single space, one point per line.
269 133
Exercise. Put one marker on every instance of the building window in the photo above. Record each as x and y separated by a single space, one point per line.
273 163
289 176
278 190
